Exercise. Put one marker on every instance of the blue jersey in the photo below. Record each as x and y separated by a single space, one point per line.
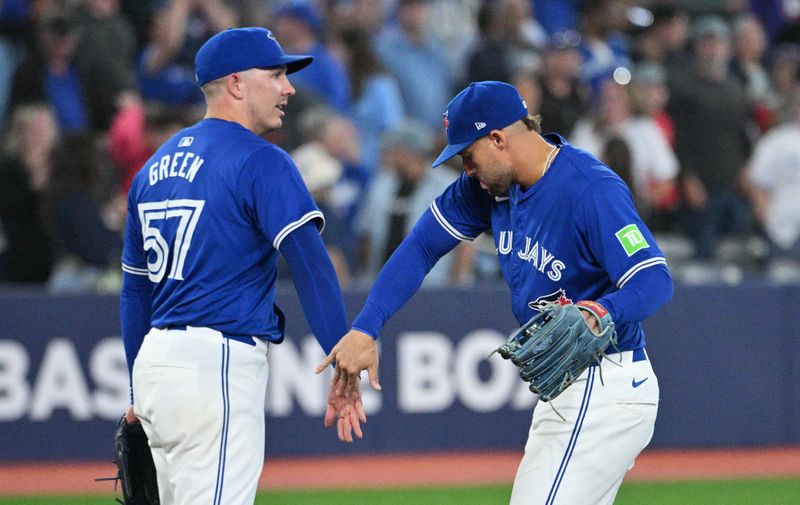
206 218
574 235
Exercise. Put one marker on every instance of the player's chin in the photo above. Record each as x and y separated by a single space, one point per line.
274 123
496 191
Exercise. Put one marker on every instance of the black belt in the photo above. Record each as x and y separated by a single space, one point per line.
245 339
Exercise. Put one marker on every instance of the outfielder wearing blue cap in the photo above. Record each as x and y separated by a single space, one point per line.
566 230
207 216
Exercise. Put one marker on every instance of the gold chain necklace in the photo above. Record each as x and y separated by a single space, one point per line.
550 157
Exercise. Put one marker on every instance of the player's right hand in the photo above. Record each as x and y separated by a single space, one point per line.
356 351
347 409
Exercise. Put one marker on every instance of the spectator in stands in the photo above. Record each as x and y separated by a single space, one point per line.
774 175
180 27
87 250
509 41
712 124
50 73
653 165
616 153
565 98
784 71
528 37
16 25
366 15
106 51
321 173
377 102
557 15
603 47
339 136
400 194
455 25
529 87
418 62
664 42
137 131
299 27
650 95
749 46
24 170
491 57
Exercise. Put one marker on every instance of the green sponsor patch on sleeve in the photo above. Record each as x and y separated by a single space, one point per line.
631 239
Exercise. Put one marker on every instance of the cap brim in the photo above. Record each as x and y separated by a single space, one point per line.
294 63
449 151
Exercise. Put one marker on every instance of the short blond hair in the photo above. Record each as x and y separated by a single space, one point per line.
533 122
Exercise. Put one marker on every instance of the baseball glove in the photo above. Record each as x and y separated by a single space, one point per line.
135 469
554 348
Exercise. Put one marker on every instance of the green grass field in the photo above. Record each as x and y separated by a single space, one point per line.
738 492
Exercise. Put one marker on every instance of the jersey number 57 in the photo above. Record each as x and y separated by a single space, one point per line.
156 218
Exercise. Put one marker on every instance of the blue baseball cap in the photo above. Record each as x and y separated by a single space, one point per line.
478 109
239 49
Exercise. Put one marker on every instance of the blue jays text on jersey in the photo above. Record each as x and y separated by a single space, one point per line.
574 235
536 255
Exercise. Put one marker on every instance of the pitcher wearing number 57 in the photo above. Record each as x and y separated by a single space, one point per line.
208 215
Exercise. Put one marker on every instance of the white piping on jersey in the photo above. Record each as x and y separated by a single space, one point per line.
637 267
289 228
134 270
449 228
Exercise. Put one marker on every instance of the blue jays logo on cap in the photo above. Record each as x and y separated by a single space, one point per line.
239 49
477 110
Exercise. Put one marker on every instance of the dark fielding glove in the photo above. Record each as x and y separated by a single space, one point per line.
136 470
554 348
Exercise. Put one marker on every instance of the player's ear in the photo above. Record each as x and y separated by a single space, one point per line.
233 83
497 137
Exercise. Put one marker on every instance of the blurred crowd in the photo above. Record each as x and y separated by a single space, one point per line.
695 103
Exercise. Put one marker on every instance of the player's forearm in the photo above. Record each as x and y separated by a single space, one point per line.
397 282
641 296
403 274
135 312
316 284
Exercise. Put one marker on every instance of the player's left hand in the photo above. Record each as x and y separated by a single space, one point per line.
345 405
356 351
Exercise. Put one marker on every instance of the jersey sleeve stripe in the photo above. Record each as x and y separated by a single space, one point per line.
449 228
289 228
639 267
134 270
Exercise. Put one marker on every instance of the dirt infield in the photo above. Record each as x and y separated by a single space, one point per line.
418 470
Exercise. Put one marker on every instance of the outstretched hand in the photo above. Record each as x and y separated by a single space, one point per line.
347 408
356 351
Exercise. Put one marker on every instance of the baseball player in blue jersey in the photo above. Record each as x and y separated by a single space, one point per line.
207 216
566 230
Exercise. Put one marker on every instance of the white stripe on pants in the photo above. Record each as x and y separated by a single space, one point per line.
200 397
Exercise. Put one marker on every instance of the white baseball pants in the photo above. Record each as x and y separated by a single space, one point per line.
582 461
200 397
